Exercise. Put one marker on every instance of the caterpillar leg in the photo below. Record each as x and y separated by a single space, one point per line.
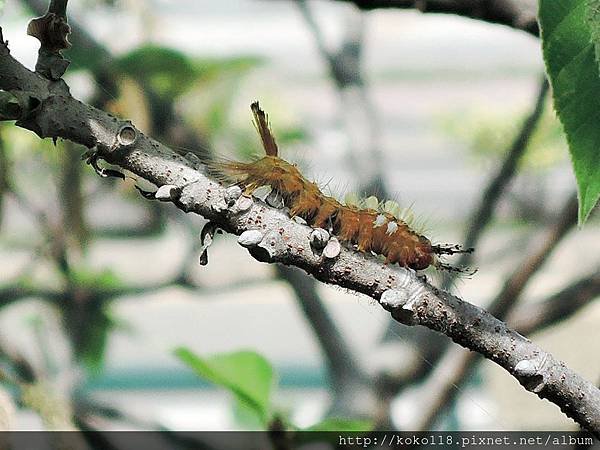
449 249
466 271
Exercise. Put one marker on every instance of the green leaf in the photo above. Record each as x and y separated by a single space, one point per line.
92 279
92 338
341 424
169 72
570 40
246 417
246 374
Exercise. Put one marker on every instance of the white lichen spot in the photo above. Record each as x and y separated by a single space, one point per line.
379 221
219 205
232 193
371 202
243 203
250 238
393 298
408 292
319 238
533 371
392 227
262 192
166 192
526 368
332 249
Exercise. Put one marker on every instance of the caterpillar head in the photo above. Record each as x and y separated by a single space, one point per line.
423 256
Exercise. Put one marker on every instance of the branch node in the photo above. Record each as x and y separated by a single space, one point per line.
530 373
232 194
10 107
242 204
127 135
52 30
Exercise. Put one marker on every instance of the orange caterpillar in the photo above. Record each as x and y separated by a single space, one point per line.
368 229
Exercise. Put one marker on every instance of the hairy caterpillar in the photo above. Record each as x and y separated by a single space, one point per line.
375 228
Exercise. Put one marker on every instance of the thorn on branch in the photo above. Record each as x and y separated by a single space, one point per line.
149 195
3 44
92 156
18 105
206 238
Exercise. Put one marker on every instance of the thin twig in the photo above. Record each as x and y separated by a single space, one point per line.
518 14
488 202
345 68
530 318
346 374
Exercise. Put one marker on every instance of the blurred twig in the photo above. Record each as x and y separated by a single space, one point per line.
4 176
72 201
482 214
518 14
530 318
362 123
345 373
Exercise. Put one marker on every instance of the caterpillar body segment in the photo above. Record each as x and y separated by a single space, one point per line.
369 226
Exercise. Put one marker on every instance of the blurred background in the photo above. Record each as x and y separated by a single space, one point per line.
451 116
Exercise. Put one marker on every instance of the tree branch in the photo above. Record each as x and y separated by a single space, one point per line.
270 236
478 222
455 366
518 14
